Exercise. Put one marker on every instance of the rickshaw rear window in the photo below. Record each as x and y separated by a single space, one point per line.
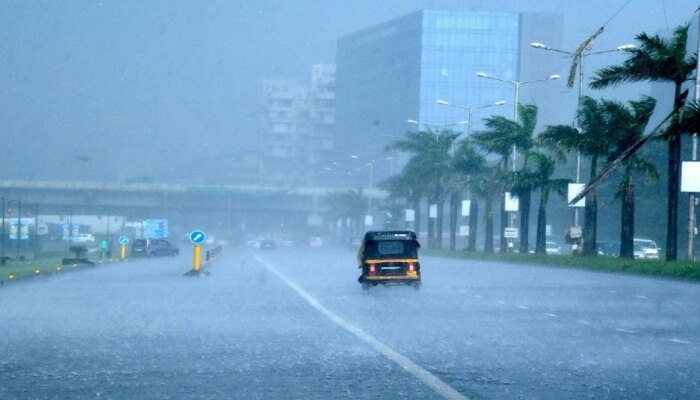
390 248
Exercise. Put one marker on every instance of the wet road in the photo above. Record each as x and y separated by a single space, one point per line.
293 324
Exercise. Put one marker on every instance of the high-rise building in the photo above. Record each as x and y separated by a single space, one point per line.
298 127
395 71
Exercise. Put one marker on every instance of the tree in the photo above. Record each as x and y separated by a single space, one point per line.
469 167
541 178
626 127
662 60
500 137
592 141
430 166
347 204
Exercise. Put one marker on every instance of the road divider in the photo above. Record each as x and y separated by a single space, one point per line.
197 264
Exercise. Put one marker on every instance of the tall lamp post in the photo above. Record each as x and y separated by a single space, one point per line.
516 86
581 57
470 110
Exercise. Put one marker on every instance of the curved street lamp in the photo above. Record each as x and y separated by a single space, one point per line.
516 85
470 110
580 56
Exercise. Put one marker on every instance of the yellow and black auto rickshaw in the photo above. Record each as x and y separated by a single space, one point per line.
389 257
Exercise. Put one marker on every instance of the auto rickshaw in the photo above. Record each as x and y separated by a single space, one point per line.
389 257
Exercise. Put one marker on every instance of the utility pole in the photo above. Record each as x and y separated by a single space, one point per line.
691 196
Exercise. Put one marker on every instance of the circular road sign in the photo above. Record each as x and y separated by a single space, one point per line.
123 240
197 237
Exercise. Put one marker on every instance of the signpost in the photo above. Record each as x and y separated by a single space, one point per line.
123 240
197 238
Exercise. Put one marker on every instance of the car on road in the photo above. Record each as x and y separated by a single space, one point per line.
153 248
81 238
267 244
389 257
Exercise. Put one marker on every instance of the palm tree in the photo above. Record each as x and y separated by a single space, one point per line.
430 164
469 165
592 141
541 178
500 137
347 204
659 59
627 126
406 185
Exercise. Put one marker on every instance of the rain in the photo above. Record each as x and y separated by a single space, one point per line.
428 199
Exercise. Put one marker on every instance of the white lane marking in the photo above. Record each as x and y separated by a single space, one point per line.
423 375
523 307
583 322
639 296
624 330
676 340
551 315
478 296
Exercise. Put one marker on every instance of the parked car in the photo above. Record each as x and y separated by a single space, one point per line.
608 249
153 247
648 248
316 242
552 248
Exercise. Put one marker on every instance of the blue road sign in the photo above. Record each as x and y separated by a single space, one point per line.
197 237
123 240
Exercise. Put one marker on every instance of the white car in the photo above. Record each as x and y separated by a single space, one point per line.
80 238
646 248
552 248
316 242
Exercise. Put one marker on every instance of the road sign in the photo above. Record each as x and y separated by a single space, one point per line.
197 237
123 240
156 228
510 233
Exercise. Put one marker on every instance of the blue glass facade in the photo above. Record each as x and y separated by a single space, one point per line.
395 71
454 47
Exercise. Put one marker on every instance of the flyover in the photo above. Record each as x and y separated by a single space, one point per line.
225 207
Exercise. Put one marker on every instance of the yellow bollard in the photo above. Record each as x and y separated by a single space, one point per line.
197 257
123 253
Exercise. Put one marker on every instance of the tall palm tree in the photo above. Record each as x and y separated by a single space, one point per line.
501 136
542 169
403 186
349 204
469 166
430 163
592 141
665 60
627 126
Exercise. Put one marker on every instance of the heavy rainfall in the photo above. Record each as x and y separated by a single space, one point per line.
349 200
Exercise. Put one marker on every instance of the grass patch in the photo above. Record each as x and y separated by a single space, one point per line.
44 263
679 269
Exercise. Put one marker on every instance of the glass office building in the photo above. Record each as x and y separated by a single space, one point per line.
394 72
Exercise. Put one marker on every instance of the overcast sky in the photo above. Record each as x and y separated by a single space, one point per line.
116 89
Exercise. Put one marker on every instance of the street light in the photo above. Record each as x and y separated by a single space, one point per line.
470 110
516 85
581 57
436 127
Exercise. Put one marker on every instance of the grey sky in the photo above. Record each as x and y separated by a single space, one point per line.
130 86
